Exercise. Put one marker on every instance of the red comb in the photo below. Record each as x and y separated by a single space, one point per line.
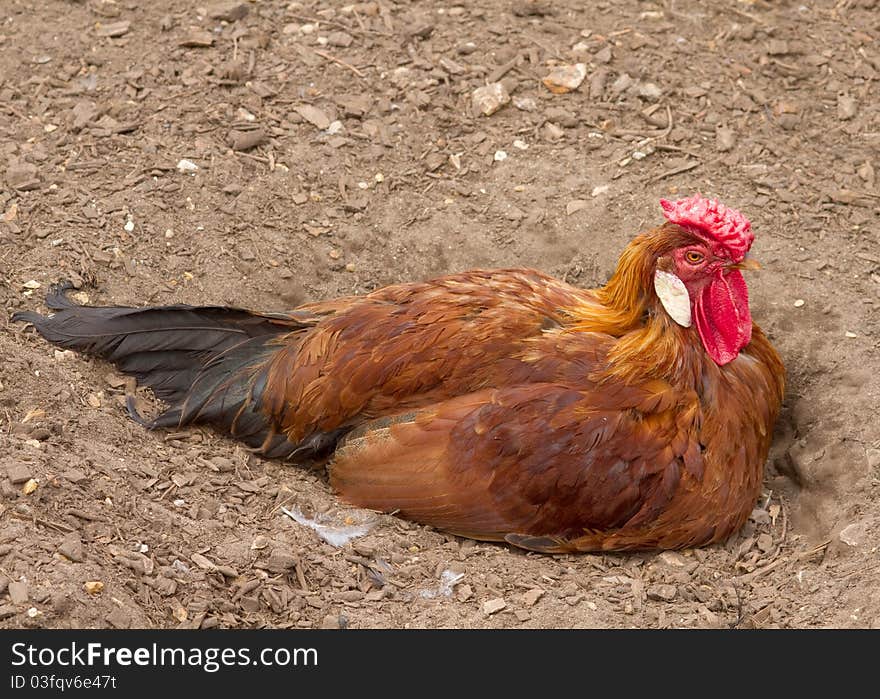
710 219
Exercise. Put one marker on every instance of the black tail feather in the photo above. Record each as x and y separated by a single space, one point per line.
164 347
208 363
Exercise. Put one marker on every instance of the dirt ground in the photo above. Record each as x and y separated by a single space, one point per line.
337 150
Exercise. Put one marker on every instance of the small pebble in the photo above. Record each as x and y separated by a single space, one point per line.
565 78
846 107
552 131
186 166
623 82
725 139
798 303
851 535
93 587
672 559
489 99
180 566
649 91
604 55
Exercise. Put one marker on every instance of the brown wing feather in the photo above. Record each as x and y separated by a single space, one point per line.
543 460
412 345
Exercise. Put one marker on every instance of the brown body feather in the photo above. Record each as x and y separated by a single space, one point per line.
499 405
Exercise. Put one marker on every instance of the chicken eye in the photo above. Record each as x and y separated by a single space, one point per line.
694 257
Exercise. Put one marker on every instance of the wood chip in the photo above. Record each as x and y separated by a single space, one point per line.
777 47
114 29
245 140
765 543
18 472
72 547
341 39
228 11
662 593
18 592
197 39
203 562
574 206
530 598
493 606
314 116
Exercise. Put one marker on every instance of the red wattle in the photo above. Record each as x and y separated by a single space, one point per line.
722 317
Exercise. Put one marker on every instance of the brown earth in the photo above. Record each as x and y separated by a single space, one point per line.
337 151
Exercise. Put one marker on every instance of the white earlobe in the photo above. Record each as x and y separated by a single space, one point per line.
674 296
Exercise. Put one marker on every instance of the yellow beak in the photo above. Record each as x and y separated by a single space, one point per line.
748 263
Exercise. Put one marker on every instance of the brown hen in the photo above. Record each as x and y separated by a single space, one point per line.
501 405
